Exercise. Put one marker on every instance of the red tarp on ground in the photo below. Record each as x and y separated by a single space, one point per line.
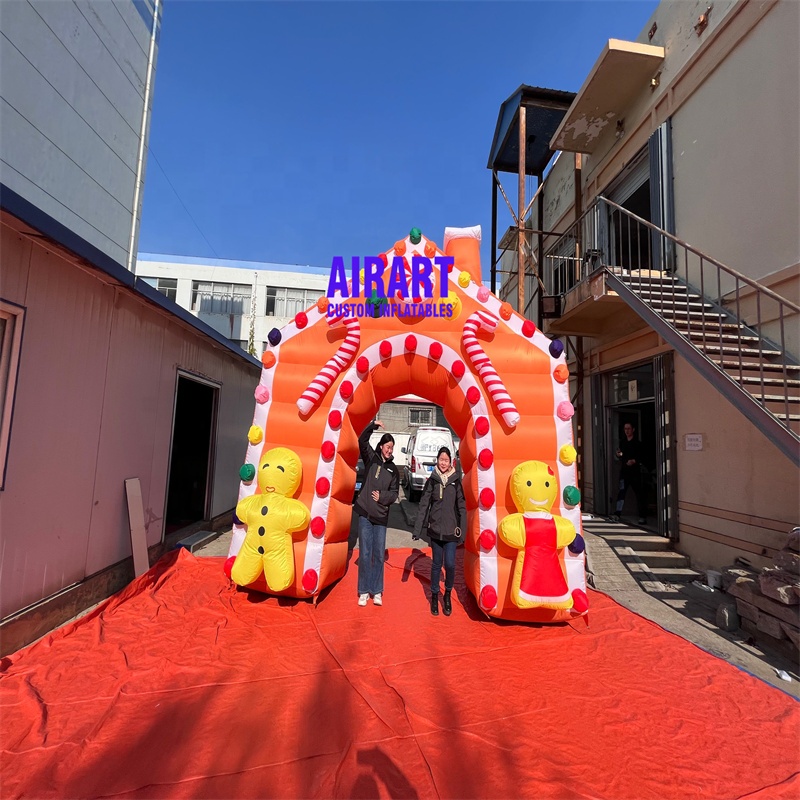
182 686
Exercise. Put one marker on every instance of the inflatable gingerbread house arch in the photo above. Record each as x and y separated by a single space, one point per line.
503 386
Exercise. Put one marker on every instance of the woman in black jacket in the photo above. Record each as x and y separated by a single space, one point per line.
443 512
380 490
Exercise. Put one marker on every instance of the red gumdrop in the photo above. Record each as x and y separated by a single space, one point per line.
310 580
580 602
385 349
485 458
328 450
317 526
301 319
459 369
417 300
488 598
346 390
228 566
383 257
411 342
482 426
488 539
528 328
436 351
323 486
487 498
362 365
473 395
335 419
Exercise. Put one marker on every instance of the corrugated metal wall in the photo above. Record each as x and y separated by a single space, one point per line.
94 406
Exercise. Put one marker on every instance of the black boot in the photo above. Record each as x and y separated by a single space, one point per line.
446 607
435 604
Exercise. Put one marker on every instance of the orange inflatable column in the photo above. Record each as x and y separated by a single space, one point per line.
464 244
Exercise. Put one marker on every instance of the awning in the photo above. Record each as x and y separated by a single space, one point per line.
544 109
620 73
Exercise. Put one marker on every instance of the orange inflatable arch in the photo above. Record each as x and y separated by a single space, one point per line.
503 386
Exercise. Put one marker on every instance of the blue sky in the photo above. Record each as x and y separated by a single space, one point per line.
296 131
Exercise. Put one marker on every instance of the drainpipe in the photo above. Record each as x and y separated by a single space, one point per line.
137 188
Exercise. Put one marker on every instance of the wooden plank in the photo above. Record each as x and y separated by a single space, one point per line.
141 562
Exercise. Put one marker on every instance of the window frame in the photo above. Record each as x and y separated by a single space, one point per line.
10 350
420 410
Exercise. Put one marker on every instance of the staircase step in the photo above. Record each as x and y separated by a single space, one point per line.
746 351
714 336
637 542
673 304
696 325
789 383
752 368
668 574
667 559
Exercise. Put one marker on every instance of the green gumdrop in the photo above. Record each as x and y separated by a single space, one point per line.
415 235
247 472
572 495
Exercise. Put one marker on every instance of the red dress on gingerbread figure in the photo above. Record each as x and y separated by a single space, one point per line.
539 536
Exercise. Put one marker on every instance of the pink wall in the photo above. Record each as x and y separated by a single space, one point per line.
94 406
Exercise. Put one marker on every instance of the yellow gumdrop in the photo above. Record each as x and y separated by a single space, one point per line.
464 279
567 454
455 302
255 434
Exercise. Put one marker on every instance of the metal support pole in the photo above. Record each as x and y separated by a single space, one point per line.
540 247
493 253
521 215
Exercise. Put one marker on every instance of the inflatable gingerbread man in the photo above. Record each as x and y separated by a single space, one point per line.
539 536
271 516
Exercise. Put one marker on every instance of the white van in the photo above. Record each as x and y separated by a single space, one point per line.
421 453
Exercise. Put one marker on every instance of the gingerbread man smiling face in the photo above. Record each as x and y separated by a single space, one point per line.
271 516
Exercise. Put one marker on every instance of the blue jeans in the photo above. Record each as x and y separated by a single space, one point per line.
371 552
443 551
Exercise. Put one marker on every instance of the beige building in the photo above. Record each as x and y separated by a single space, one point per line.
666 239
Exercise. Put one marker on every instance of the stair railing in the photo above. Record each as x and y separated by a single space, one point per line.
609 237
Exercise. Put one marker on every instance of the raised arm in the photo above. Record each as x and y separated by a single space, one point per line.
363 443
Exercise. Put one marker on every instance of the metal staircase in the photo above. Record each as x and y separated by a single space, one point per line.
713 316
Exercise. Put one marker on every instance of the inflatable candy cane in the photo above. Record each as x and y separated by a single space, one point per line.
340 361
483 365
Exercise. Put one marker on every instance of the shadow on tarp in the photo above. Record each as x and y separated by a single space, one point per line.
180 686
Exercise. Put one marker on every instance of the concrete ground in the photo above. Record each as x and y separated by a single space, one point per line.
687 610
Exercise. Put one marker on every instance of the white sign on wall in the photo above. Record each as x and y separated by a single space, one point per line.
693 441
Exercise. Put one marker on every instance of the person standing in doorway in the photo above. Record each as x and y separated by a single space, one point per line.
629 456
443 513
380 490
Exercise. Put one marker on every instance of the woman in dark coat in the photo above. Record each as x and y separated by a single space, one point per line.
443 513
380 490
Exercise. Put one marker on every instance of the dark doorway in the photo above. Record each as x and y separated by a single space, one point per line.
189 495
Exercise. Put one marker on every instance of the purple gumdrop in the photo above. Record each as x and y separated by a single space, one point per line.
556 348
236 520
577 545
274 337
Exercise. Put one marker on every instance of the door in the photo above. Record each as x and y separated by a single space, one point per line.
191 458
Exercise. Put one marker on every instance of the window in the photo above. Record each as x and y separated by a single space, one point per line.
168 287
285 302
420 416
221 298
11 318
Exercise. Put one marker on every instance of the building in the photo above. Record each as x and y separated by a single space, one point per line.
102 378
235 297
666 241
